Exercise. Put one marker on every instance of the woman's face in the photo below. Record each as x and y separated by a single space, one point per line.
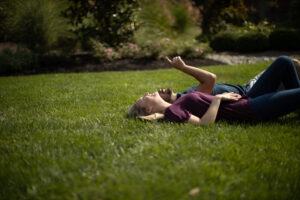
148 100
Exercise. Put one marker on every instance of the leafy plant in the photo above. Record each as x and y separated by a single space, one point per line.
111 22
285 39
249 37
19 61
224 41
216 14
165 19
252 41
37 24
104 52
129 50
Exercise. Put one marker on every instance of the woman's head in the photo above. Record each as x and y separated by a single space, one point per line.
146 105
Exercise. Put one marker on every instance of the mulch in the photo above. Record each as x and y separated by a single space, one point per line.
132 64
83 63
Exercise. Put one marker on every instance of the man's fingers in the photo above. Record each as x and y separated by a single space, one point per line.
168 59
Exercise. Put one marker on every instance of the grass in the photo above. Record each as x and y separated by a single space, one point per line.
66 136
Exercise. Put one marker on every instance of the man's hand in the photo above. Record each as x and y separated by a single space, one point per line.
229 96
176 62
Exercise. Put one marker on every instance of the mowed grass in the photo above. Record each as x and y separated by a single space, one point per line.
66 136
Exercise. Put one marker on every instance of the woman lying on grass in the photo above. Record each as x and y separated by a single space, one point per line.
263 101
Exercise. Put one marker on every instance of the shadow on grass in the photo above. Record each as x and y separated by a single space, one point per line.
292 119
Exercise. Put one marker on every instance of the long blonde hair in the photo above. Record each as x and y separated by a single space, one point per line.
141 113
137 111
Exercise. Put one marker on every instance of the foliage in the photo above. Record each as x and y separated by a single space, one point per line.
252 41
216 14
295 14
3 16
129 50
165 19
37 24
149 49
167 28
249 37
19 61
66 136
263 27
109 21
224 41
285 39
103 52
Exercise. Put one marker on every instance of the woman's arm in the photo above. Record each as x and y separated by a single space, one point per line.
210 115
154 116
206 78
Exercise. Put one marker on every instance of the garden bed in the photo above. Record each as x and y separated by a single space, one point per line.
129 64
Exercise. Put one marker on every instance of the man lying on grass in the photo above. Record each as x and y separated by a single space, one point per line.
207 82
262 101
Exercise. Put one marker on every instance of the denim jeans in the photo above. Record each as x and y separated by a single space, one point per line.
265 101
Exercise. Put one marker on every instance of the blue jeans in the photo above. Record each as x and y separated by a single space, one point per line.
265 101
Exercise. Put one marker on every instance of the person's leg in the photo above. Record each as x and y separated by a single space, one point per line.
282 70
276 104
297 66
250 84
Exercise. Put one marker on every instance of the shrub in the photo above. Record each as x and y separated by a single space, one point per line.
3 15
103 52
252 41
111 22
152 50
182 18
164 18
19 61
285 40
129 50
216 14
37 24
249 37
224 41
295 14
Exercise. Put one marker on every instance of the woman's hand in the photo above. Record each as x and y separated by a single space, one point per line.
176 62
228 96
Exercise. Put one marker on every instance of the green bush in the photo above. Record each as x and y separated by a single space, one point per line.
216 14
252 41
19 61
37 24
295 14
151 50
285 40
103 52
165 19
243 38
110 22
224 41
182 18
3 15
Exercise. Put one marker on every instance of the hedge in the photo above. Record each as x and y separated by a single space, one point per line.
252 41
224 41
285 40
288 40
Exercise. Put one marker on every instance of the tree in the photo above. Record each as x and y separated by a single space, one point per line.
216 13
109 21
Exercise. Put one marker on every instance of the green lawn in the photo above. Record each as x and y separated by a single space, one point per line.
66 136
